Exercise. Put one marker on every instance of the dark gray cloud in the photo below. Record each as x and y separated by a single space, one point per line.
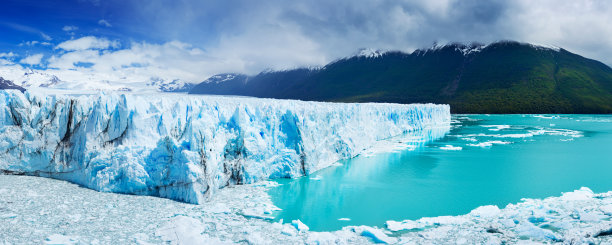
282 34
250 36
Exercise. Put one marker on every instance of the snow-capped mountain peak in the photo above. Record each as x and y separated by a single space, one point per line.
174 85
369 53
465 49
546 47
220 78
31 78
470 49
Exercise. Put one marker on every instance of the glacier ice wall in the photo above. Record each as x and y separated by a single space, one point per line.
185 147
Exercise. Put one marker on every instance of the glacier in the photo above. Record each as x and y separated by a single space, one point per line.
184 147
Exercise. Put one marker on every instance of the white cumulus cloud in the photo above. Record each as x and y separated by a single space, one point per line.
89 42
95 63
32 59
6 58
7 55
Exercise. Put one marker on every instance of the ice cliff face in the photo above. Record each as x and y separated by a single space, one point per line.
185 147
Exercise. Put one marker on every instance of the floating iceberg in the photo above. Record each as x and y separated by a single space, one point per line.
451 148
185 147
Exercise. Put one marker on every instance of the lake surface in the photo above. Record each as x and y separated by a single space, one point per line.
502 159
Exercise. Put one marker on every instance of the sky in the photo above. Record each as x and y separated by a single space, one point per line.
194 39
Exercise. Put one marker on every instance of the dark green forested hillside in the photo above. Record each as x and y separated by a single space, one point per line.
503 77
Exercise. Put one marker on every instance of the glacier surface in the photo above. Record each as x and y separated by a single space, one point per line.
186 147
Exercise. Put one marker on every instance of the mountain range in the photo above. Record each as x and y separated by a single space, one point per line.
32 78
6 84
501 77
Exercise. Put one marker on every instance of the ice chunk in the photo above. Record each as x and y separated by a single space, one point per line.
8 216
606 209
472 139
425 222
256 238
58 239
257 213
592 217
583 194
451 148
185 230
486 211
185 147
316 177
404 225
496 127
377 235
299 225
532 231
323 238
490 143
288 230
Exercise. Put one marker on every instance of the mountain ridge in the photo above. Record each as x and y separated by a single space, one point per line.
501 77
6 84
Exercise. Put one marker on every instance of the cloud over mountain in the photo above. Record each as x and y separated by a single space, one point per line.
195 39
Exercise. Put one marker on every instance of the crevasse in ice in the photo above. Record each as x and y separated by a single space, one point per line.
185 147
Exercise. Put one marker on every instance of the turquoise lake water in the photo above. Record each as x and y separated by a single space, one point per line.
503 158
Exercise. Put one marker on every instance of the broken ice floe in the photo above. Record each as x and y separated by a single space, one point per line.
576 217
